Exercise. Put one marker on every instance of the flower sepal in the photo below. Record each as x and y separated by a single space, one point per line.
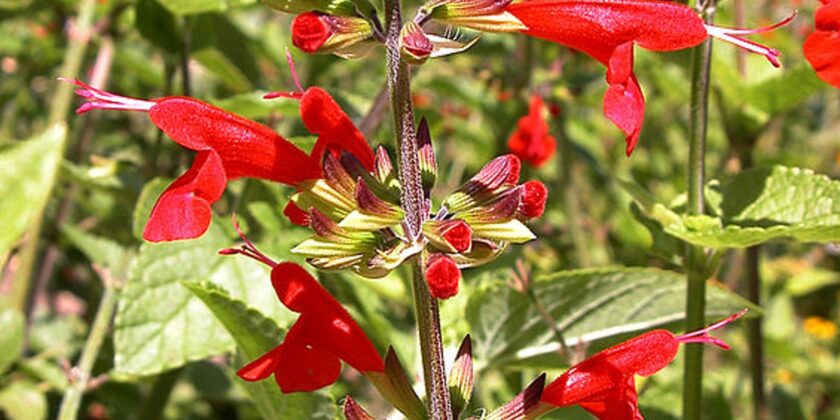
461 378
393 384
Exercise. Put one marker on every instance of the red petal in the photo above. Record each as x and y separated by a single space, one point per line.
183 210
624 103
296 215
458 234
328 326
261 368
596 27
531 142
442 276
247 148
621 405
336 133
309 32
305 368
605 374
822 48
533 199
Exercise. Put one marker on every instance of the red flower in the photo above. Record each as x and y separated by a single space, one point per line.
442 276
230 147
457 233
531 141
608 30
604 384
323 335
822 47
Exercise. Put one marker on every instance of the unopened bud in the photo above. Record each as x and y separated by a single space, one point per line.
482 15
415 46
296 215
453 236
323 33
533 198
442 276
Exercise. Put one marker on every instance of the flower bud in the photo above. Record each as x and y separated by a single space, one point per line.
442 276
296 215
482 15
453 236
415 46
533 198
319 32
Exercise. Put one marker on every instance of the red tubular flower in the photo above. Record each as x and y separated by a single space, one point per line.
323 335
822 47
442 276
531 141
608 30
230 147
604 384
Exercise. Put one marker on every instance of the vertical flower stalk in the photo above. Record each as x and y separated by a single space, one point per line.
428 317
694 256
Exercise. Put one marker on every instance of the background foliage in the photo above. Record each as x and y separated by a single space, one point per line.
606 265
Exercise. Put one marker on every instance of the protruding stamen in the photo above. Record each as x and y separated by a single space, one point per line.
100 99
733 36
702 336
292 95
249 249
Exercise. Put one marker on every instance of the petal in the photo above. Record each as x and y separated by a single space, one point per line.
621 405
261 368
822 50
296 215
305 368
624 103
247 148
336 133
328 326
183 210
596 27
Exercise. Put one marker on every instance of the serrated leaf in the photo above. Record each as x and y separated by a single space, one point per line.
27 173
587 305
254 335
765 204
160 325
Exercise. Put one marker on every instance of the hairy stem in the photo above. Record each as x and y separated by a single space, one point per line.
695 256
428 318
73 396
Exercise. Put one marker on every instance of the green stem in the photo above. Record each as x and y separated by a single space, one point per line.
695 256
73 396
58 112
428 317
755 336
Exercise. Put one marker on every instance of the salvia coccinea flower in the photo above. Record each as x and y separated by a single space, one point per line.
604 384
822 47
531 141
324 334
229 147
609 30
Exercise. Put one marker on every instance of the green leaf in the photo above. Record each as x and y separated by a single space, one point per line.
11 340
191 7
254 335
764 204
27 173
97 249
160 325
588 306
23 401
157 25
